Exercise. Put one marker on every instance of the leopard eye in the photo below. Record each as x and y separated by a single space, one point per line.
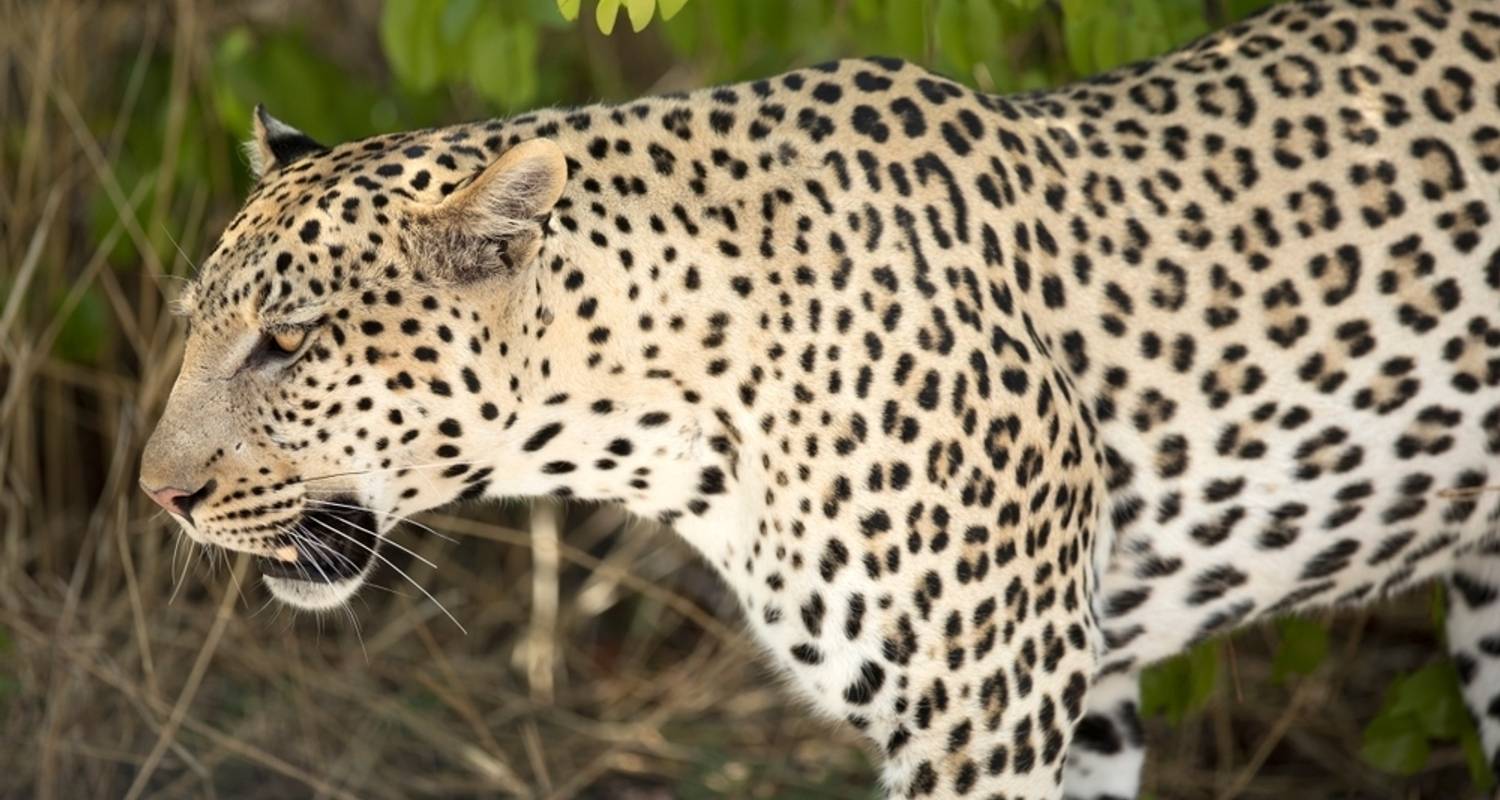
288 342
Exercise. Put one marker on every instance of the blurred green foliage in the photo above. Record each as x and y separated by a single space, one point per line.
1303 648
1183 684
1422 707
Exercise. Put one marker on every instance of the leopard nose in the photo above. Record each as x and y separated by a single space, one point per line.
179 501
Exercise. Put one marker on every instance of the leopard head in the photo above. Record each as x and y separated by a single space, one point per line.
348 328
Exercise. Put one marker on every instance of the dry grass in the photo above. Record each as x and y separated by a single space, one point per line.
601 659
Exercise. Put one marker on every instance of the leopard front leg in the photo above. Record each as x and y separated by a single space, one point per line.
1109 747
1474 640
948 618
967 674
998 729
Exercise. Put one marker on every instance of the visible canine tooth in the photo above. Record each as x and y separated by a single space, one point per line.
287 553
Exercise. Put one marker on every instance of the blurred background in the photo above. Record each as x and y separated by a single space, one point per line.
601 658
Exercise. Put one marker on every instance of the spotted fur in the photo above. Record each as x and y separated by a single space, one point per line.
975 402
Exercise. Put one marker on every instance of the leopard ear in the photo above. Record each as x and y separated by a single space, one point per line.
492 225
275 144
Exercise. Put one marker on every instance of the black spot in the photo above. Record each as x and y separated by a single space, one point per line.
540 439
867 685
309 232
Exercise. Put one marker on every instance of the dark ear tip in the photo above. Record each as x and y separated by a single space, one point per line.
283 143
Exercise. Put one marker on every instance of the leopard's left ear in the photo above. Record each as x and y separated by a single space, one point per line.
493 224
275 144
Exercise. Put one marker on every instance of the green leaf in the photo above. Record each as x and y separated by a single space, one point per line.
1392 743
986 37
1304 646
294 81
1239 9
906 27
569 9
1432 696
87 331
1424 705
456 19
502 66
1106 41
953 34
1078 36
865 11
669 8
409 33
640 12
1479 765
1181 685
686 36
604 15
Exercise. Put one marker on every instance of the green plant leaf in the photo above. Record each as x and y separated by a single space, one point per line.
640 12
1304 646
1478 762
1239 9
1182 684
1431 695
457 18
87 331
569 9
985 35
952 34
502 68
1109 51
1424 705
1078 36
409 33
906 28
295 82
669 8
604 15
1394 743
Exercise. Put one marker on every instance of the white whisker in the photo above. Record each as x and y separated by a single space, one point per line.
378 471
358 634
301 537
187 565
305 536
393 542
398 570
386 514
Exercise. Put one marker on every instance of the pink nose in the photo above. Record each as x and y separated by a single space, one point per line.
167 498
176 500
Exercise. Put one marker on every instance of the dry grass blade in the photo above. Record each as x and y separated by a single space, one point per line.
223 614
33 258
540 651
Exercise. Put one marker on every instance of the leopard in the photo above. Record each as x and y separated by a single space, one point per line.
978 404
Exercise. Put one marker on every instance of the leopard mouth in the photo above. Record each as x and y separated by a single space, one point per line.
332 543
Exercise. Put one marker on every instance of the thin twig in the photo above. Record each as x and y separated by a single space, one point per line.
194 680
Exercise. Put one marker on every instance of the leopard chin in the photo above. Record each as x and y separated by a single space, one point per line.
312 595
327 563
